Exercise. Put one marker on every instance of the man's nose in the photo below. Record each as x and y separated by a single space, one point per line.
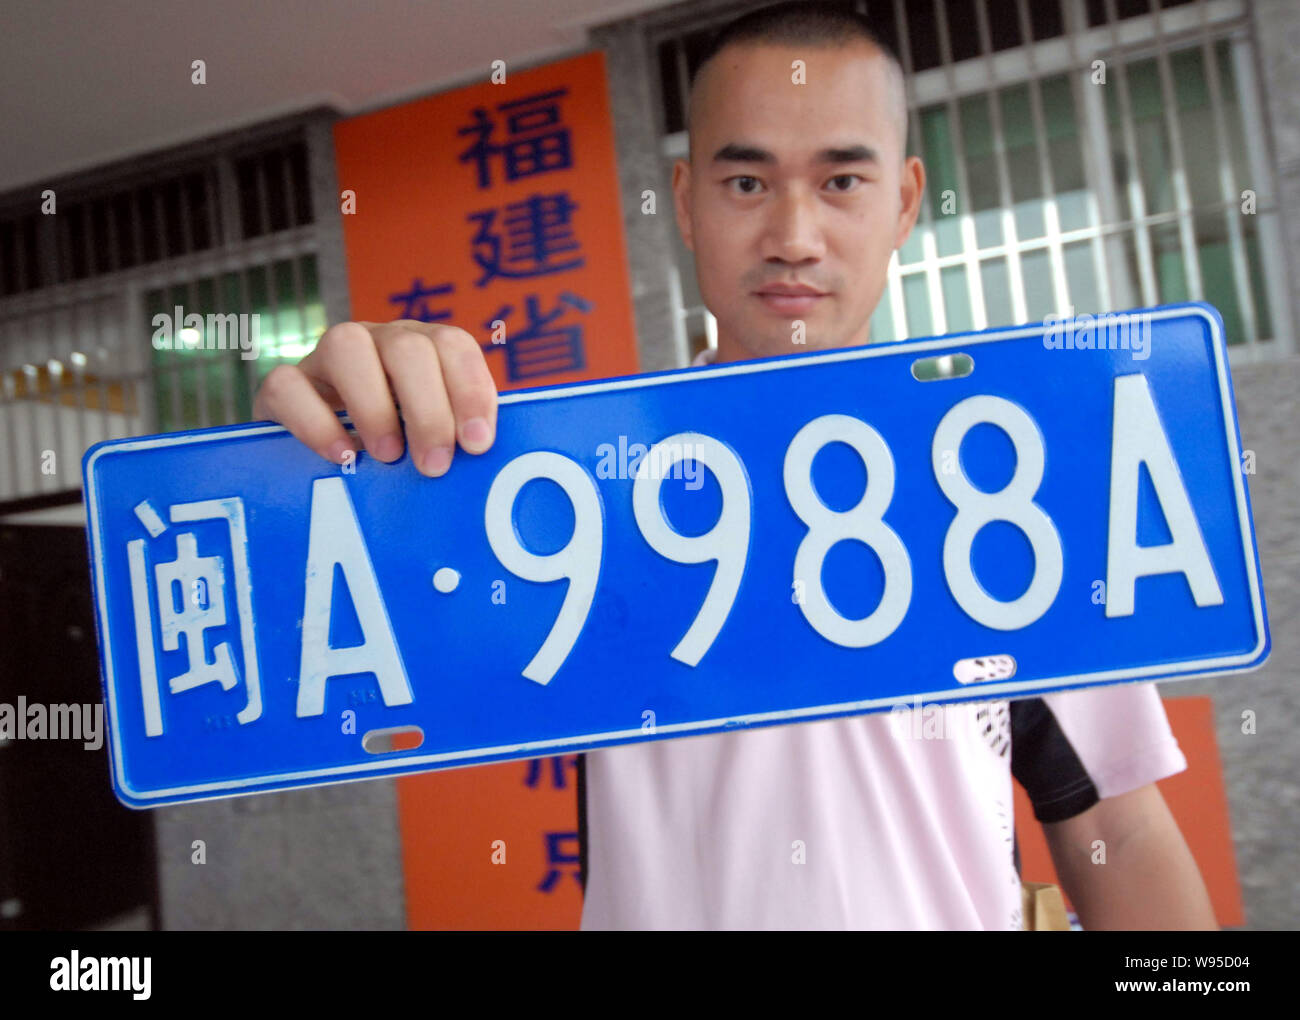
794 231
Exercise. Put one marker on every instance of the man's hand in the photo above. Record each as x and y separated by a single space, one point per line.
436 373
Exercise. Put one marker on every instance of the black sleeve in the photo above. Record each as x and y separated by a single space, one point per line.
1044 763
582 821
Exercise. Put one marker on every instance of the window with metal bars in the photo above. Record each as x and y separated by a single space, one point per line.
153 221
230 236
204 385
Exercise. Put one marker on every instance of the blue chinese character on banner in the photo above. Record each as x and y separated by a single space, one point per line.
419 293
537 229
534 350
557 858
533 146
558 765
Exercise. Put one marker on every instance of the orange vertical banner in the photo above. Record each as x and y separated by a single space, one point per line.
495 208
492 847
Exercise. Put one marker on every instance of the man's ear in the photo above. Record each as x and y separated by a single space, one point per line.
911 188
682 201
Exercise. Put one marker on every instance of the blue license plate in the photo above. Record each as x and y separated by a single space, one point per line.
989 515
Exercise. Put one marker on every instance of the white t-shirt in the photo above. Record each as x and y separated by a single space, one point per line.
885 821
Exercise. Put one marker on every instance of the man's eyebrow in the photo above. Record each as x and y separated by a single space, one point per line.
849 154
736 153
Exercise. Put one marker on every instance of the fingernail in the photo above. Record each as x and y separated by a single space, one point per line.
339 450
389 447
437 461
475 433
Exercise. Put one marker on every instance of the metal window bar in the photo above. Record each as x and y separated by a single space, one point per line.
969 240
51 423
218 291
52 356
263 207
250 373
1018 307
79 391
11 397
8 399
225 208
93 339
1103 207
1182 193
62 260
295 266
26 385
1136 195
97 350
19 260
172 360
234 223
199 361
1236 242
683 91
1047 183
894 276
1273 253
138 232
78 369
929 238
683 76
1067 237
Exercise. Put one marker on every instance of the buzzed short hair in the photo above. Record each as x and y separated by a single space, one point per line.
813 23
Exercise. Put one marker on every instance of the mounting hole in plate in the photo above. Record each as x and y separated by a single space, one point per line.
984 669
942 366
394 738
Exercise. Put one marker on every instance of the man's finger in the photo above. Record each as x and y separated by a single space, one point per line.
287 396
347 359
470 387
412 365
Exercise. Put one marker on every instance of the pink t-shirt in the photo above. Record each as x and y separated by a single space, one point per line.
896 820
893 820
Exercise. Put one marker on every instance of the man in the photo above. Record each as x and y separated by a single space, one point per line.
796 193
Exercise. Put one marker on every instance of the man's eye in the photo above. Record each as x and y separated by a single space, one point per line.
743 191
845 177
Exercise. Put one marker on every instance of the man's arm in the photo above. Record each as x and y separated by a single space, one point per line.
1149 879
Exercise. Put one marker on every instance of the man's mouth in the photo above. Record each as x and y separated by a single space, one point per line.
790 300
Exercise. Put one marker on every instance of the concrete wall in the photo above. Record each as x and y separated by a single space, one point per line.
1262 771
324 858
634 104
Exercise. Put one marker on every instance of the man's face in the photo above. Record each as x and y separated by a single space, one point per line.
763 204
